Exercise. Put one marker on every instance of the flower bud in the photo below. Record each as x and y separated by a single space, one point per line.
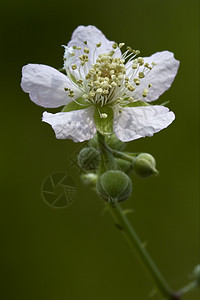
114 186
196 273
144 165
89 179
89 159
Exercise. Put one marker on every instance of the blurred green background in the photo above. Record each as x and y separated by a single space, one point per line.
76 252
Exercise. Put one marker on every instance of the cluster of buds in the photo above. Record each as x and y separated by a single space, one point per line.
113 185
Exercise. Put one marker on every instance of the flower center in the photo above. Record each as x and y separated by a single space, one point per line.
104 78
109 81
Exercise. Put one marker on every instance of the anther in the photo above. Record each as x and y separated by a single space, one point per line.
145 92
121 45
74 67
86 50
104 115
115 46
140 61
141 75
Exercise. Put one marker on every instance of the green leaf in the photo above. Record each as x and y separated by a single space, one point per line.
79 104
104 125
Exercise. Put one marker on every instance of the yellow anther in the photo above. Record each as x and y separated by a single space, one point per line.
113 84
121 77
85 96
145 92
85 42
99 90
105 92
141 75
137 52
121 45
104 115
150 85
153 64
91 94
80 81
131 88
115 46
137 81
86 50
140 61
131 99
129 48
98 45
74 67
111 53
134 66
74 47
78 48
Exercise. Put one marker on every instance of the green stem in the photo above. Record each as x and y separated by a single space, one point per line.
108 161
189 287
135 242
123 155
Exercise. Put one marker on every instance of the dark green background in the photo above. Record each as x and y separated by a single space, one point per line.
77 253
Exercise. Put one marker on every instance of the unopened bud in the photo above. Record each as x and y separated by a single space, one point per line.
89 179
89 159
144 165
114 186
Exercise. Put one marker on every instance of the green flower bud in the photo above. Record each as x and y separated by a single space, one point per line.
89 179
89 159
114 186
144 165
110 140
196 273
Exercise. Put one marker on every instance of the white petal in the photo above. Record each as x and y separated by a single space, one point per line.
136 122
77 125
93 36
161 76
45 85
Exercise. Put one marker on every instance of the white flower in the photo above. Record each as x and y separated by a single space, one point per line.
103 89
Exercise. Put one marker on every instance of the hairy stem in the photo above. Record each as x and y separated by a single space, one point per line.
135 242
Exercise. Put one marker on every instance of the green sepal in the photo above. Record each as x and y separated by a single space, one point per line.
137 103
104 125
75 105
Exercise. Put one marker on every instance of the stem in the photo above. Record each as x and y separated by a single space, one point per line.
108 161
189 287
135 242
123 155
